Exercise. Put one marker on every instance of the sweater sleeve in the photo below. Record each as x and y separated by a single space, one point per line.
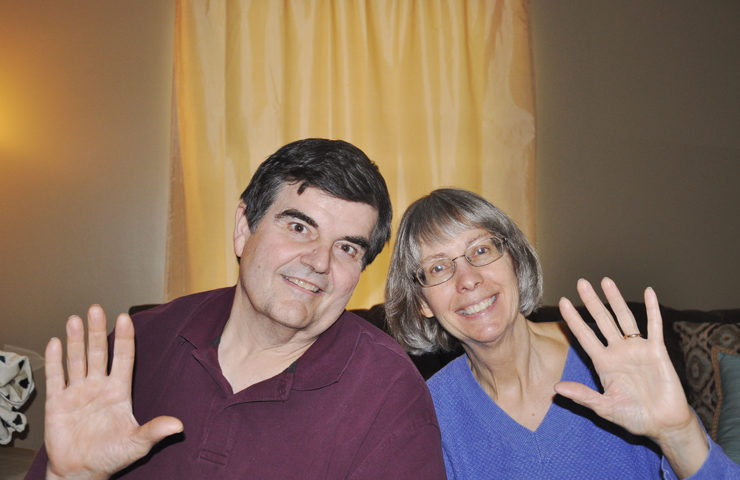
717 466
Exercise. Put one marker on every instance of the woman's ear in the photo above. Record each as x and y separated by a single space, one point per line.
425 310
241 229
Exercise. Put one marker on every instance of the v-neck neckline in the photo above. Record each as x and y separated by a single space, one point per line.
551 429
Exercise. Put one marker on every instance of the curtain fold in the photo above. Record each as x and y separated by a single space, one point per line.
437 93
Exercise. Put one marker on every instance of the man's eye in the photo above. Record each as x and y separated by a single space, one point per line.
297 227
348 249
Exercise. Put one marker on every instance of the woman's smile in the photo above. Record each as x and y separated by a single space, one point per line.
479 307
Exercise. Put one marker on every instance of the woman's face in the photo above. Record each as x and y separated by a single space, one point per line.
477 304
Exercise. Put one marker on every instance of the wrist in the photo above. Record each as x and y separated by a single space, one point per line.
685 447
84 475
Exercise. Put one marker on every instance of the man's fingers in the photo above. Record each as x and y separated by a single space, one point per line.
97 350
76 363
155 430
123 350
53 369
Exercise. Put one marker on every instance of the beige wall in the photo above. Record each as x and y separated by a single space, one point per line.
84 142
638 147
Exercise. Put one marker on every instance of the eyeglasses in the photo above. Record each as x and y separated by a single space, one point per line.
439 270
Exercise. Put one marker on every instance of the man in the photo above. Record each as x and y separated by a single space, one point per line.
267 379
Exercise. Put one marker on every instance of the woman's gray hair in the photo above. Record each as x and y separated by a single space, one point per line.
441 215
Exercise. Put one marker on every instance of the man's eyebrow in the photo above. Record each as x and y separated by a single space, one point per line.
293 213
361 242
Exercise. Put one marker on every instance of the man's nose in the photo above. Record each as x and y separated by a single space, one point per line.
317 257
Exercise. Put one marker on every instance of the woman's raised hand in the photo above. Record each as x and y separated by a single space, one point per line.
642 392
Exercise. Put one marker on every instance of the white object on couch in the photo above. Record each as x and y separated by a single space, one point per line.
16 385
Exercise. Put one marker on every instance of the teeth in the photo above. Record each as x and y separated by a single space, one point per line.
479 307
302 284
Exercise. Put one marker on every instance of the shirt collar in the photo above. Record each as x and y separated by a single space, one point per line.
321 365
326 360
207 320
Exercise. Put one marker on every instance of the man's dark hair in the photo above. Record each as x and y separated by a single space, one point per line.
334 166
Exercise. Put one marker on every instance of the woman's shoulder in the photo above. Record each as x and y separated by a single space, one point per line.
449 374
452 384
552 341
553 331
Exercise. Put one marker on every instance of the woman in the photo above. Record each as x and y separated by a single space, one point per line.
463 273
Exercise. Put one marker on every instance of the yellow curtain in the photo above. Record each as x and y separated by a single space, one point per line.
436 92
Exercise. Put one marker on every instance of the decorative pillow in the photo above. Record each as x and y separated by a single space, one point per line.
726 424
697 340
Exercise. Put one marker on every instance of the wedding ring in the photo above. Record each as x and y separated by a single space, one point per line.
633 335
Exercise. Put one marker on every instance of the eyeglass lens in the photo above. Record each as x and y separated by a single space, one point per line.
480 253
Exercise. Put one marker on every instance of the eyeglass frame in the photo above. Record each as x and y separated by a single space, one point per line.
496 240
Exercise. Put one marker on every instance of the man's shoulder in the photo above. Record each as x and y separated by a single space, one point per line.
376 352
373 337
169 316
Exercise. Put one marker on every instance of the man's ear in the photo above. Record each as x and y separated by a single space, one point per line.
241 229
425 310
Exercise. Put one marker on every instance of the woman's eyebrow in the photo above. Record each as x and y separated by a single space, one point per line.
435 256
293 213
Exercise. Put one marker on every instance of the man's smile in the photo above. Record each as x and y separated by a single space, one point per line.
302 284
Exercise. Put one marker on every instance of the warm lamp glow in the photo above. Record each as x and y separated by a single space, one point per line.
6 126
16 111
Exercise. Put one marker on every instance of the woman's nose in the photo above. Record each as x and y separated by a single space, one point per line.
467 277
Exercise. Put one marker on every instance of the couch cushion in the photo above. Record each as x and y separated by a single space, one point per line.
726 424
697 340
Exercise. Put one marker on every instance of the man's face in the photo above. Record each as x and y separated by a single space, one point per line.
300 266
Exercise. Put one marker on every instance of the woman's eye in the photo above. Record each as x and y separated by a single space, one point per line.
437 268
481 250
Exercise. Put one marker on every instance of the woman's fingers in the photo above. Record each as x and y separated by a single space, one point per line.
583 333
654 318
598 311
626 320
581 394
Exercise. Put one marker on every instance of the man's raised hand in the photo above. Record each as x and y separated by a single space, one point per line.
90 430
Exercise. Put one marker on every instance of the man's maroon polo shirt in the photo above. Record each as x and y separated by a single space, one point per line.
353 406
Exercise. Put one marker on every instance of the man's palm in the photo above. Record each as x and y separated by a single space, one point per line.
90 428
